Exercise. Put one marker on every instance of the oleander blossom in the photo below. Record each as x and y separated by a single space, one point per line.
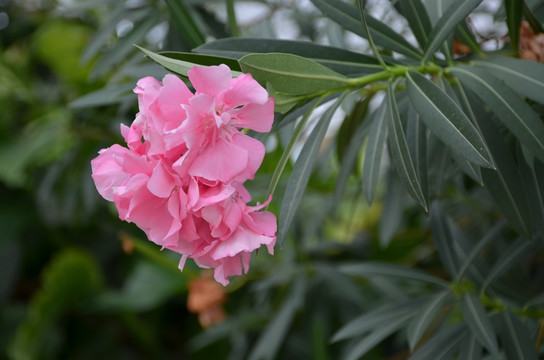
180 178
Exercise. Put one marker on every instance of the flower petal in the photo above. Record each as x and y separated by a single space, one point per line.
210 80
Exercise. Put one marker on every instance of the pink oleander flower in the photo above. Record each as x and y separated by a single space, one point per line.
180 179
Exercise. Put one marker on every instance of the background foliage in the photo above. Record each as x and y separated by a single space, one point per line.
407 173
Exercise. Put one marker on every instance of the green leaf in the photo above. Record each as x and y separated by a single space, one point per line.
349 159
373 153
516 338
180 67
489 237
416 136
400 153
532 19
477 320
510 257
418 19
124 46
346 16
442 345
446 120
231 19
514 113
373 269
290 146
379 333
514 11
337 59
183 19
291 74
471 349
524 76
504 183
270 340
350 124
393 208
376 319
455 13
443 239
104 96
425 317
302 171
200 59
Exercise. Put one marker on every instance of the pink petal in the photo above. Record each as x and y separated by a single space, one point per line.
244 90
162 182
255 150
221 161
256 117
210 80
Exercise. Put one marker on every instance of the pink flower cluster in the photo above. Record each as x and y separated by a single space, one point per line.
181 178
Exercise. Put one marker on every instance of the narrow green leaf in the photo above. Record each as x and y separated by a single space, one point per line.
443 239
465 35
442 345
372 269
375 318
418 19
290 146
532 19
399 151
200 59
104 96
173 64
302 171
393 208
514 11
373 153
471 349
124 46
425 317
184 20
514 113
477 320
379 333
489 237
349 159
446 120
454 14
510 258
533 179
231 19
271 338
504 183
524 76
350 124
416 136
291 74
361 8
516 338
346 16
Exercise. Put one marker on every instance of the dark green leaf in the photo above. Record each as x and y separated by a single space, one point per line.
471 349
532 19
418 19
416 136
465 35
399 151
205 60
524 76
104 96
514 10
124 46
291 74
425 317
350 124
477 320
443 239
375 319
393 208
509 258
454 14
182 17
533 179
373 153
270 340
516 338
442 345
373 269
302 171
503 183
346 16
447 121
479 247
515 113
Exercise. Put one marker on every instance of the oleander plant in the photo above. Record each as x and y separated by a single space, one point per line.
388 154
